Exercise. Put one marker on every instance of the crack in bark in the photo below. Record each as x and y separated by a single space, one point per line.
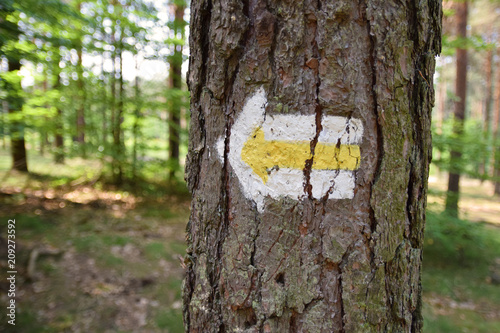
380 143
272 50
314 142
275 241
283 259
318 117
341 266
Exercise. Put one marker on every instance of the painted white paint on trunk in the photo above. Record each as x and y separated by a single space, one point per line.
335 184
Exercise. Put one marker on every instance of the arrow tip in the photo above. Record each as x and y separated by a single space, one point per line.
251 154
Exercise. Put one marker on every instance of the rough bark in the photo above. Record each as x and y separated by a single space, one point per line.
311 265
15 104
452 195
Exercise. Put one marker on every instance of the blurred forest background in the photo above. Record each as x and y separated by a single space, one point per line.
93 137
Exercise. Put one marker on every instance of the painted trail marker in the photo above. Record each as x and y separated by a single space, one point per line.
269 153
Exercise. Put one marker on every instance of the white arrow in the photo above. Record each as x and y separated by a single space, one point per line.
268 153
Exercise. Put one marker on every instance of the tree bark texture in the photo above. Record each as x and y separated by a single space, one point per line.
311 265
452 195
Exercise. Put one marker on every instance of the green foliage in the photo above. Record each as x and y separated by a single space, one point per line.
472 143
474 43
68 50
459 241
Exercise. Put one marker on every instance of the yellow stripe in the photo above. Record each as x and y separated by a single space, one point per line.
262 155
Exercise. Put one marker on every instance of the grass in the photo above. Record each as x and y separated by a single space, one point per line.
170 320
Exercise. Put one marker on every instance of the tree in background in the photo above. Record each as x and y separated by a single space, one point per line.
475 140
496 128
77 99
10 33
284 236
452 195
81 97
15 46
175 94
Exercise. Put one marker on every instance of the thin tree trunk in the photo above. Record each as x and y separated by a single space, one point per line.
117 105
453 193
488 68
80 112
174 102
58 121
441 109
114 118
118 133
104 108
496 130
15 104
44 140
5 109
4 106
137 115
284 237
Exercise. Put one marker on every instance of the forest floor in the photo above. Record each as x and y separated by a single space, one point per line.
95 259
461 266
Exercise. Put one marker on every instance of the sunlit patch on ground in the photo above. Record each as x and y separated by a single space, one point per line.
477 202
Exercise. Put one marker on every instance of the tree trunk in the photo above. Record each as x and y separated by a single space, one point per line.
105 101
80 112
308 163
118 142
441 96
3 129
58 121
174 102
496 130
453 193
115 161
488 69
15 104
137 115
44 139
